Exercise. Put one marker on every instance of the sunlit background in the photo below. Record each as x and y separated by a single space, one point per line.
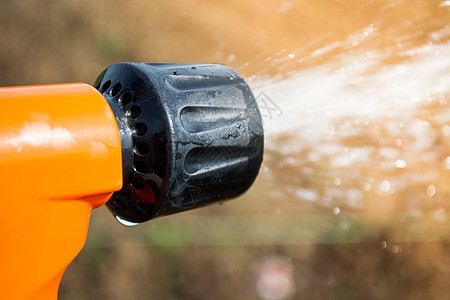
353 197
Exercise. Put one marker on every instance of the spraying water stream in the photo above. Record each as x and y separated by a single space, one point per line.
358 133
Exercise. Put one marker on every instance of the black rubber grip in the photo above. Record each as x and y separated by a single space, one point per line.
191 135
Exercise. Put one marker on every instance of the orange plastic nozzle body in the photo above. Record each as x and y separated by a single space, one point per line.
60 157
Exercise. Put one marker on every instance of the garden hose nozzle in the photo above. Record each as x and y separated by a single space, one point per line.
191 135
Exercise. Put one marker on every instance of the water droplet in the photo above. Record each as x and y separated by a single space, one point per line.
447 163
336 211
290 160
400 164
273 277
396 249
292 55
431 190
231 58
313 157
384 244
440 215
337 181
345 225
307 194
125 222
445 130
265 169
444 4
331 281
385 188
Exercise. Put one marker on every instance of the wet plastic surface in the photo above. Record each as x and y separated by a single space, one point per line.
53 172
191 135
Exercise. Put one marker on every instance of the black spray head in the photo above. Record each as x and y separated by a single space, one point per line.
191 135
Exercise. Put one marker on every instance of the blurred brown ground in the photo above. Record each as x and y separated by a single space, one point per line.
212 253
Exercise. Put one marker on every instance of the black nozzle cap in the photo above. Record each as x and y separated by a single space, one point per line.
191 135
